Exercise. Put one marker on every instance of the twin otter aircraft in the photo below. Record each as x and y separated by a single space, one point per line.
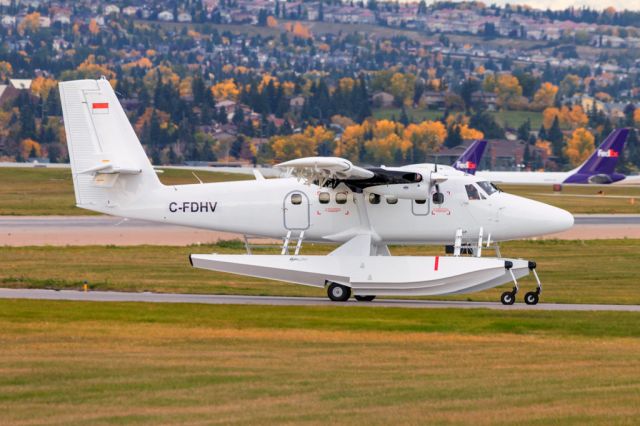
322 200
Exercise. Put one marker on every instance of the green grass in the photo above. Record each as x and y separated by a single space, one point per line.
78 363
415 114
584 199
514 119
511 119
42 191
571 271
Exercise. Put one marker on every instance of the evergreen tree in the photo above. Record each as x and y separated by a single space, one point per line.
556 138
404 119
524 130
633 148
485 122
454 137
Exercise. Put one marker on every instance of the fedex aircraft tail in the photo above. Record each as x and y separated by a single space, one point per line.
470 158
108 163
600 166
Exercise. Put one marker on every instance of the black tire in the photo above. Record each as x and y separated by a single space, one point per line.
338 292
364 298
508 298
531 298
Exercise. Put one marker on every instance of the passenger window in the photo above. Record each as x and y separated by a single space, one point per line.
341 197
296 199
392 199
420 201
324 197
472 192
374 198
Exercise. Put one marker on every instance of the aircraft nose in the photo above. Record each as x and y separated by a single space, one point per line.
529 218
558 220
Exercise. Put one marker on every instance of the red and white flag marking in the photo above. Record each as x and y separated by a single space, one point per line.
100 107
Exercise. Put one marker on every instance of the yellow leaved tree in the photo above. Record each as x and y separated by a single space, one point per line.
579 146
6 70
42 86
29 147
226 89
351 143
294 146
544 97
425 137
468 133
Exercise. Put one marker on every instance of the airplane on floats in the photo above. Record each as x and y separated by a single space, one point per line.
598 169
329 200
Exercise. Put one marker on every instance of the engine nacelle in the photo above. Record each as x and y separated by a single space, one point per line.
402 191
600 179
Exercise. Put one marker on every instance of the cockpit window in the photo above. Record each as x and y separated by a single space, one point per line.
472 192
487 187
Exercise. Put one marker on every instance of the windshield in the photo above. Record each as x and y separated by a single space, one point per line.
487 187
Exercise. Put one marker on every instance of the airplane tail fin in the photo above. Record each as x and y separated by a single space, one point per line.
600 166
470 158
108 163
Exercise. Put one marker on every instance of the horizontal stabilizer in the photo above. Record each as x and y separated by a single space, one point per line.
109 168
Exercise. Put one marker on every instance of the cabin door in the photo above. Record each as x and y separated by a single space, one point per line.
296 211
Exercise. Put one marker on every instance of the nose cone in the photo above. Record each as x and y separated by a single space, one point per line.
523 218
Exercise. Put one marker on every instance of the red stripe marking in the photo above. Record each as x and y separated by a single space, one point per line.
100 105
435 266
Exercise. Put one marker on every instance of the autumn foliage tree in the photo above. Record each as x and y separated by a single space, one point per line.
42 86
29 148
569 118
579 146
425 137
226 89
544 97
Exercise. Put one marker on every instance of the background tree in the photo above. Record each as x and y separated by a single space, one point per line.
579 146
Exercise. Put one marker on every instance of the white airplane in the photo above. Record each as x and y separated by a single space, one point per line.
598 169
323 200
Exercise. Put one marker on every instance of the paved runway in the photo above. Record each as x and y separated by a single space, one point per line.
109 296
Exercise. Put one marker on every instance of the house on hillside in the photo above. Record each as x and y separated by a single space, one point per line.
8 92
165 15
382 99
433 100
488 99
297 103
20 83
184 17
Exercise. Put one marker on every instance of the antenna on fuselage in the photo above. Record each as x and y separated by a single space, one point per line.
437 198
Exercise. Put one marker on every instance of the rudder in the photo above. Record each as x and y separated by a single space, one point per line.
107 159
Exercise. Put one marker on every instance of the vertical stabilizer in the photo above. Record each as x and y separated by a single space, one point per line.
470 158
600 166
108 162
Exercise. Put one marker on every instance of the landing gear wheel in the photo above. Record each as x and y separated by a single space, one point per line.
338 293
508 298
531 298
364 298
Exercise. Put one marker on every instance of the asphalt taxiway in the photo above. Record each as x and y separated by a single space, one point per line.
211 299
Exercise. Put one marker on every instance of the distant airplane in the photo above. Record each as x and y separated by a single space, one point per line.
470 158
324 199
599 168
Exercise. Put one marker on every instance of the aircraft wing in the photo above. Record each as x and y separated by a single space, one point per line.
314 168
